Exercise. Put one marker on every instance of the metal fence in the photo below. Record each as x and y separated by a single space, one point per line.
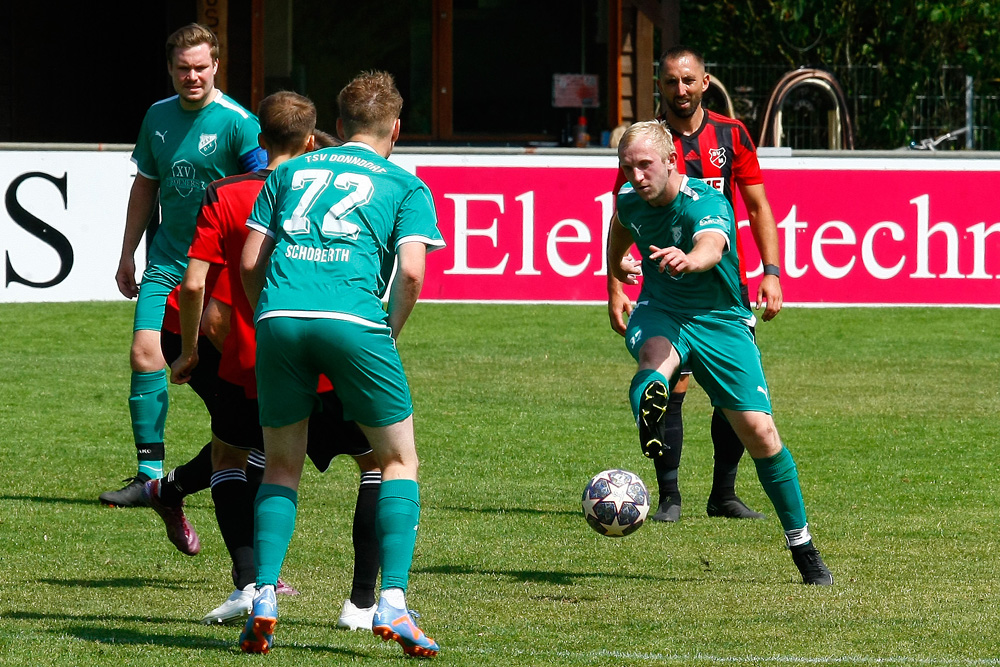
946 106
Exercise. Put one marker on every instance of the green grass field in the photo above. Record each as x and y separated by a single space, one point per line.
890 413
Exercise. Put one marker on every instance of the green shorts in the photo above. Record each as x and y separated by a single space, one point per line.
156 285
360 359
720 351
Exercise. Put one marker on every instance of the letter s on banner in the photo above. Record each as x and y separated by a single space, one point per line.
40 229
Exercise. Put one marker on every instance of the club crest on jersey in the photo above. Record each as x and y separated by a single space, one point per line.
676 232
717 156
208 143
183 178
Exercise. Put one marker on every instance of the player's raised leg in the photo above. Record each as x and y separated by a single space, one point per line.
667 464
650 400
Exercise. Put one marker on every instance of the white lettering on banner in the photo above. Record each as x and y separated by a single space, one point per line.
829 234
980 232
581 230
847 237
791 227
868 250
924 231
552 252
607 203
462 234
527 201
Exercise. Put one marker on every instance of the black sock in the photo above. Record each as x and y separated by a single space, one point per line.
255 472
668 464
728 452
191 477
234 513
366 554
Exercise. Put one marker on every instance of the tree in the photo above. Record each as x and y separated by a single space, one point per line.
916 48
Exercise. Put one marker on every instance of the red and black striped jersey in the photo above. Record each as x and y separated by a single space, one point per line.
718 152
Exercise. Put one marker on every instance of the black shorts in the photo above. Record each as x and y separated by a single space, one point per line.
235 418
331 435
235 422
205 376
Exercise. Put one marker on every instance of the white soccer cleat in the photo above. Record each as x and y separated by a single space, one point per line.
355 618
236 607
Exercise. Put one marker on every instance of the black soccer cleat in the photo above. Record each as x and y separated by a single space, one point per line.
668 511
814 570
130 495
652 419
731 508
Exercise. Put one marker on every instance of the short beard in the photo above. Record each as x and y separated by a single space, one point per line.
684 113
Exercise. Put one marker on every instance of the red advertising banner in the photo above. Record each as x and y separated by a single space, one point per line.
853 231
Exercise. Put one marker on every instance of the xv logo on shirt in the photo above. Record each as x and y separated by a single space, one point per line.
183 178
208 143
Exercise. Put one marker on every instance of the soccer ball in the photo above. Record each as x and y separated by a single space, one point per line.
615 503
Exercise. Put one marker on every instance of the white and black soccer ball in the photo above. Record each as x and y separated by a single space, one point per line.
615 503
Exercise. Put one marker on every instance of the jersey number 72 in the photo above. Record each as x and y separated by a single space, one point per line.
358 190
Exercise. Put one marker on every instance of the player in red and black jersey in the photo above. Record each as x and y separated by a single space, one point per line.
287 130
718 150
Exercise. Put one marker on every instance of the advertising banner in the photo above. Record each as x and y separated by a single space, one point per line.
523 227
852 231
62 223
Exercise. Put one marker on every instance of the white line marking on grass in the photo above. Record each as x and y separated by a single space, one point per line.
665 658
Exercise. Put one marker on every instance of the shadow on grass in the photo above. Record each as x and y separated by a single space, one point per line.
124 582
56 501
89 627
540 576
505 510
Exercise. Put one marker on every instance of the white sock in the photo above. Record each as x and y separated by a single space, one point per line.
795 538
395 597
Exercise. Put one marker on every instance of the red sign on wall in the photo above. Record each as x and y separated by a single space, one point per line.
855 231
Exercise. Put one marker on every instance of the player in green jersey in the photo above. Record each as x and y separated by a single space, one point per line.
690 311
185 142
326 233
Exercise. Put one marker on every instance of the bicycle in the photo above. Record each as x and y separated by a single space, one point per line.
932 143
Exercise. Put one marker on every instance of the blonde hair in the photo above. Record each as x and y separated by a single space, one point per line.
656 131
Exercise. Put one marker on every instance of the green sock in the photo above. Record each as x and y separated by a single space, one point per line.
397 516
780 479
274 523
147 404
639 382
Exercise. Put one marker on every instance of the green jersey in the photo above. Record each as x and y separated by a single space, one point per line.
698 208
185 151
337 216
